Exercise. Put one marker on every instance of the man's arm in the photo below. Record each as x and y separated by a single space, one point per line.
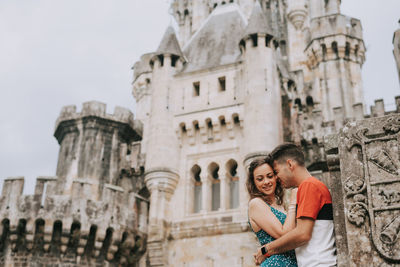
293 239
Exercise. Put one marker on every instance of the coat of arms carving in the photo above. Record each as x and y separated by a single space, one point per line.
374 191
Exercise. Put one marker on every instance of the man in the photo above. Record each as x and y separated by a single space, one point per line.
313 236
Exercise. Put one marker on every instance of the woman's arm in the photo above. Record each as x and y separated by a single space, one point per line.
260 214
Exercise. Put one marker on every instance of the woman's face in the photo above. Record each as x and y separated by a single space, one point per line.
265 179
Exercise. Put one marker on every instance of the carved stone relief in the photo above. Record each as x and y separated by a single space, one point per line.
370 168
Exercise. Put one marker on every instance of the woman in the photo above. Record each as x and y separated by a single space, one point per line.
267 217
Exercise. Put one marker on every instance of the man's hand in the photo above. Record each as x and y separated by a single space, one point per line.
259 257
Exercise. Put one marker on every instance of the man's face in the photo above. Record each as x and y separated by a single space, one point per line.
283 173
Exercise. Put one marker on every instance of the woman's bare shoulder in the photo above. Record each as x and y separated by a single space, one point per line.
257 203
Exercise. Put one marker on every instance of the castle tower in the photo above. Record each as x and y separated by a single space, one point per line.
92 144
335 54
94 213
262 101
396 48
162 157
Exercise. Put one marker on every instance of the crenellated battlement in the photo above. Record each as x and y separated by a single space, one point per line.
75 227
333 37
97 109
336 24
309 127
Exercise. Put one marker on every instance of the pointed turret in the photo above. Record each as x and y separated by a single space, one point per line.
258 23
169 45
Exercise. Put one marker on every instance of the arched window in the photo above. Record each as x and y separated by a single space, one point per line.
209 129
215 186
231 167
74 237
197 188
55 244
38 240
90 244
106 244
4 235
21 236
335 49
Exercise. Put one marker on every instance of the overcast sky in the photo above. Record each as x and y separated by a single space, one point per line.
55 53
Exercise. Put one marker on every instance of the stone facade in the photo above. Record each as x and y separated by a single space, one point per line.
94 212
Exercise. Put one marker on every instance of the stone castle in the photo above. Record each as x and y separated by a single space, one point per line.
168 187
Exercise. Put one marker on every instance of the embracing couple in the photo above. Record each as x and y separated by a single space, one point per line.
307 226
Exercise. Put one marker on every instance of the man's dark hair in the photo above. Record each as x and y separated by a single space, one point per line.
287 151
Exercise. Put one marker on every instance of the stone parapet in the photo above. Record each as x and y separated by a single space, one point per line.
96 109
336 24
78 228
310 129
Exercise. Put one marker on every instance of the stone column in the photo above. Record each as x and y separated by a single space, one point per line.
224 193
206 194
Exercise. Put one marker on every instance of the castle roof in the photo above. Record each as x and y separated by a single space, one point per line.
216 41
258 22
169 44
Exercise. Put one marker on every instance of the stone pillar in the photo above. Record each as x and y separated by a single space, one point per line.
161 184
224 192
206 193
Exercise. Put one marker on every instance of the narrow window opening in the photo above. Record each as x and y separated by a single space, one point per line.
183 128
309 101
196 125
174 59
347 50
297 102
196 88
254 39
236 119
314 141
209 130
356 51
323 46
335 49
221 82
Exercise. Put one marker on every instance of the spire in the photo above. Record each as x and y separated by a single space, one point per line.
169 44
258 22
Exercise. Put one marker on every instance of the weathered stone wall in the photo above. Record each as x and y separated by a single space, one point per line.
364 165
95 212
